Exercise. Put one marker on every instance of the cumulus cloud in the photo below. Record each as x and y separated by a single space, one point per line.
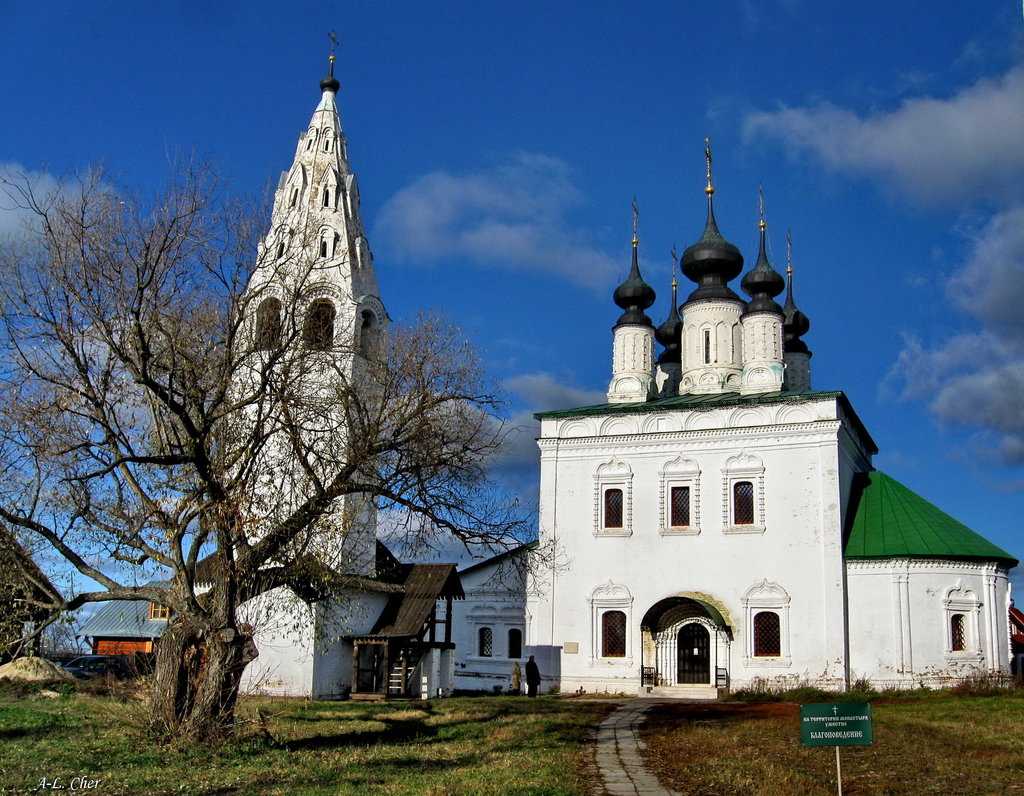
518 461
976 379
514 215
933 149
13 218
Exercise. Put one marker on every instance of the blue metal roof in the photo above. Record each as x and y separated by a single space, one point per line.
123 619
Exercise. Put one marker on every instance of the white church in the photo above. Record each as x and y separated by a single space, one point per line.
716 523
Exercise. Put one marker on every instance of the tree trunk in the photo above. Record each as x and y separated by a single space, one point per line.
197 679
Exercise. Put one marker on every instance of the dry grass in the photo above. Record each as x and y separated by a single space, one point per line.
452 746
932 744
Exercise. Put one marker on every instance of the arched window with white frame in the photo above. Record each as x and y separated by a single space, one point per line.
766 625
613 496
679 497
963 637
611 612
743 495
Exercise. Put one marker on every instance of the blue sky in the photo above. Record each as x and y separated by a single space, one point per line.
497 155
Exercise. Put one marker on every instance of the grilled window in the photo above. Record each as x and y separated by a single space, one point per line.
958 632
680 510
485 642
613 508
515 643
268 324
613 634
159 611
318 331
743 503
767 636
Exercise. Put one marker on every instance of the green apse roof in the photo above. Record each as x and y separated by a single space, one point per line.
890 521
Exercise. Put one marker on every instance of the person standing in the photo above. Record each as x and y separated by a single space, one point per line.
532 677
517 679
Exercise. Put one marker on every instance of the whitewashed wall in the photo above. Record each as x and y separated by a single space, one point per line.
899 620
300 650
495 598
796 549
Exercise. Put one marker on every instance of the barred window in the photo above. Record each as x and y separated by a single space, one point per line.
767 635
613 634
268 324
485 642
958 632
613 508
743 503
680 510
515 643
318 331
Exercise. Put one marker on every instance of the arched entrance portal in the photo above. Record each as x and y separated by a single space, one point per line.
685 642
693 654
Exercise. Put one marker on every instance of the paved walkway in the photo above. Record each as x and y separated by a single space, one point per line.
618 752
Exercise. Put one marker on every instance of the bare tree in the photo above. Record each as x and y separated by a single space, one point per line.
160 419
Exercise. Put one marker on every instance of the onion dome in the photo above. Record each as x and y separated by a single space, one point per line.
330 82
634 295
762 282
670 333
794 323
712 261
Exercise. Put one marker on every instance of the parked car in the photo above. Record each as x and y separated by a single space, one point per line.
86 667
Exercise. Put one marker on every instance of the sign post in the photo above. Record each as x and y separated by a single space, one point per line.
836 724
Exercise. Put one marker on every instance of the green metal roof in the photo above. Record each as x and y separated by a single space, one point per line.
712 401
890 521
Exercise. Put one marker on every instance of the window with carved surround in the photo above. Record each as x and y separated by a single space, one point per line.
679 498
962 611
743 494
485 642
611 622
613 499
766 625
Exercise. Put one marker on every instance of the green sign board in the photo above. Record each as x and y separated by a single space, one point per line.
839 724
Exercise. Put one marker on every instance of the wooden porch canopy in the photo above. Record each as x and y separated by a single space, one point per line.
413 611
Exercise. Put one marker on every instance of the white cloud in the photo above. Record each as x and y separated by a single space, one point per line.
933 149
976 379
13 218
512 216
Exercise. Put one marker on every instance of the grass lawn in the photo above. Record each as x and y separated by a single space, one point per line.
937 743
461 745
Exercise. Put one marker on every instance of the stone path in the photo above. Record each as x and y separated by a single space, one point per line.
618 752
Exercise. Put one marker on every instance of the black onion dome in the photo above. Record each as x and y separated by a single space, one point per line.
762 282
712 262
669 334
794 323
634 296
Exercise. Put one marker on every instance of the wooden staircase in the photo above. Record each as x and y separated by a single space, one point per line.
402 671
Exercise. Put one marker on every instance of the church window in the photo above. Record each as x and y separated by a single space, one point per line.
159 612
485 642
767 635
280 250
318 331
707 346
743 503
958 633
295 197
680 507
515 643
613 508
327 144
323 247
369 334
613 634
327 197
268 324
